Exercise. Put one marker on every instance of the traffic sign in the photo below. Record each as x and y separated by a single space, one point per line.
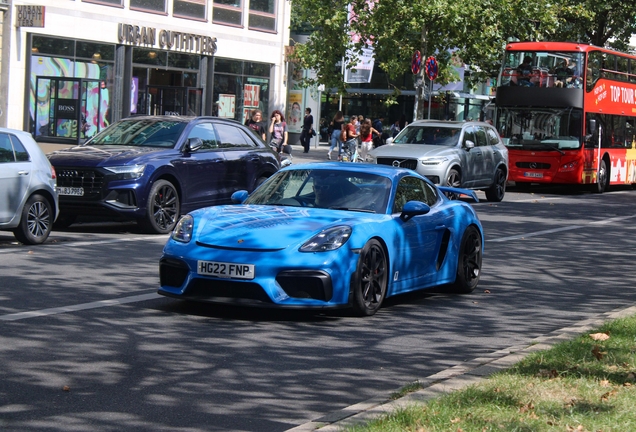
431 68
416 62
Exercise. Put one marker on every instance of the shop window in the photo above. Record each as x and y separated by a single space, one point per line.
52 46
228 12
95 51
262 15
189 8
228 66
106 2
150 57
257 69
183 61
149 5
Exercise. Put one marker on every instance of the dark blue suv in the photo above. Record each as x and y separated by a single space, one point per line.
153 169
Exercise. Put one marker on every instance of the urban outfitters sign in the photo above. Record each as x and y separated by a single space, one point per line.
165 39
29 16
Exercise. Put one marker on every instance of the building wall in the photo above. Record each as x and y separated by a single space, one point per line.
81 20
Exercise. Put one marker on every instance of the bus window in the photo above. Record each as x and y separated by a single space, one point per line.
622 67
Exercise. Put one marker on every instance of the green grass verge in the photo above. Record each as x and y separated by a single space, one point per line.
584 385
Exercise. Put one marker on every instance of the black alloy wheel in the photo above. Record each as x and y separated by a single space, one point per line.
162 208
496 192
468 262
36 221
371 279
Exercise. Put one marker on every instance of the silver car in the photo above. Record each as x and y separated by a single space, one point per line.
28 199
469 155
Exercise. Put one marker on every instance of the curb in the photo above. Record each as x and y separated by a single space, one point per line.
456 377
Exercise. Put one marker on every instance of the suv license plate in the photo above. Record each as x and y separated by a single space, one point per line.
72 191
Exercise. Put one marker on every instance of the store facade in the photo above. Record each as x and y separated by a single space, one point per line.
144 57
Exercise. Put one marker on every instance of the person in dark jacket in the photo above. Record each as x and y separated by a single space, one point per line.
305 134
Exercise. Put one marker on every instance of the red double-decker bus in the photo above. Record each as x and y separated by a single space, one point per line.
567 113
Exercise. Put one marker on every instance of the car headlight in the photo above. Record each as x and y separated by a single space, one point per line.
433 160
127 172
327 240
183 229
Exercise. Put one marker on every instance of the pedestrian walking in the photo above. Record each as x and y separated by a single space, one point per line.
279 134
308 127
337 126
366 138
255 122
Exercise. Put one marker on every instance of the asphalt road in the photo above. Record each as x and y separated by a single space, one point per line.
86 344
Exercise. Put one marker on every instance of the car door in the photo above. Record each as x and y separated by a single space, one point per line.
414 265
15 176
205 170
472 160
486 172
241 158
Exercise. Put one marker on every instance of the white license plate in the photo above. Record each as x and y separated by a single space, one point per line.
225 270
73 191
533 174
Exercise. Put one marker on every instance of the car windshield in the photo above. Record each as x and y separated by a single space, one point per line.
431 135
140 132
334 189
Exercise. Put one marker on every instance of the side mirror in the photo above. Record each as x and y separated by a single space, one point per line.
592 126
193 145
414 208
469 144
239 197
389 141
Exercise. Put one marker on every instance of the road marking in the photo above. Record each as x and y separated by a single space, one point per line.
534 234
71 243
79 307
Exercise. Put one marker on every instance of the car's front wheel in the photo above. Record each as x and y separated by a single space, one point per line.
36 221
371 279
162 208
468 262
496 192
453 179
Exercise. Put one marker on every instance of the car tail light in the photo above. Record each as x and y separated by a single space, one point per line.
53 174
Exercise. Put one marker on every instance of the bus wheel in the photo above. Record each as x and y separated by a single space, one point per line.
602 178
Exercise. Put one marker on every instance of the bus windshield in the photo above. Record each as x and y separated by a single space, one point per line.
542 69
540 129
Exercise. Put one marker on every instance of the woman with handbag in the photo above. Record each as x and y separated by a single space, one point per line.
338 125
278 132
350 137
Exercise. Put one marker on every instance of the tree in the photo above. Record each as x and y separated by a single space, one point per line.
475 30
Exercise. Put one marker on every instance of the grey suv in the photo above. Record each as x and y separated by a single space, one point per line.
469 155
28 201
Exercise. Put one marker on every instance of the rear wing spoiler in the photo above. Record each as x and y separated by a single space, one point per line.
468 192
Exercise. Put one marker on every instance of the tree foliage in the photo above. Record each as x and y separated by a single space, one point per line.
474 30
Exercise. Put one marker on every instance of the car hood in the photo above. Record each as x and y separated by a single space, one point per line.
412 150
99 155
253 227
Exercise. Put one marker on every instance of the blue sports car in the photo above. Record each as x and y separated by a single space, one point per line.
326 235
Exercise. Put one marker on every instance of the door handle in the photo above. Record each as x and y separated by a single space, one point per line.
23 173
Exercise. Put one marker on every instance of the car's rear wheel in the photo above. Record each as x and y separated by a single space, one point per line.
496 192
453 179
468 262
371 279
162 208
259 181
36 221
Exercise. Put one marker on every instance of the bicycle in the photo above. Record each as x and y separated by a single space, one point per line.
350 151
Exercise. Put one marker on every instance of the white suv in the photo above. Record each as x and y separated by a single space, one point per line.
469 155
28 200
